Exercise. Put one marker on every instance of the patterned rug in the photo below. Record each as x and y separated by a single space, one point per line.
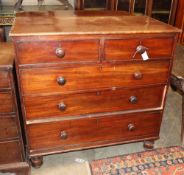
164 161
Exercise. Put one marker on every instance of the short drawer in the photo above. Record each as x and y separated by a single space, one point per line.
58 51
103 129
65 80
6 102
93 102
8 127
4 79
124 49
10 152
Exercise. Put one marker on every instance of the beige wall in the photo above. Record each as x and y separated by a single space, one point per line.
34 2
71 2
47 2
8 2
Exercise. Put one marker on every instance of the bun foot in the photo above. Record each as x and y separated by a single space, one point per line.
148 144
37 161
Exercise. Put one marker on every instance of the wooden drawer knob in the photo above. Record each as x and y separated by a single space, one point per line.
61 81
131 127
140 49
138 75
62 106
60 53
63 135
133 99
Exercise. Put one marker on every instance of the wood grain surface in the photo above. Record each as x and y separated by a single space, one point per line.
125 49
10 152
8 127
45 52
93 102
84 78
47 135
73 23
5 81
6 102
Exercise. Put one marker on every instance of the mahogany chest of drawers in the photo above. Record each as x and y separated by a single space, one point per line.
12 154
91 81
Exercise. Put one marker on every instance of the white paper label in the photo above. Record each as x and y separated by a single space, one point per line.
145 56
78 160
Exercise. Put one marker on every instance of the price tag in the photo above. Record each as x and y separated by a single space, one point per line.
145 56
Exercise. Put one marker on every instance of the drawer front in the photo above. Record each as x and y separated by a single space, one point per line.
10 152
8 127
64 80
4 79
125 49
93 102
6 102
64 51
105 129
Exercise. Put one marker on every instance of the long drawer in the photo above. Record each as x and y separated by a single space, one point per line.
8 127
124 49
58 51
10 152
6 102
82 131
93 102
83 78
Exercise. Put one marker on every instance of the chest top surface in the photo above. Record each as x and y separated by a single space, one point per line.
75 23
6 54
